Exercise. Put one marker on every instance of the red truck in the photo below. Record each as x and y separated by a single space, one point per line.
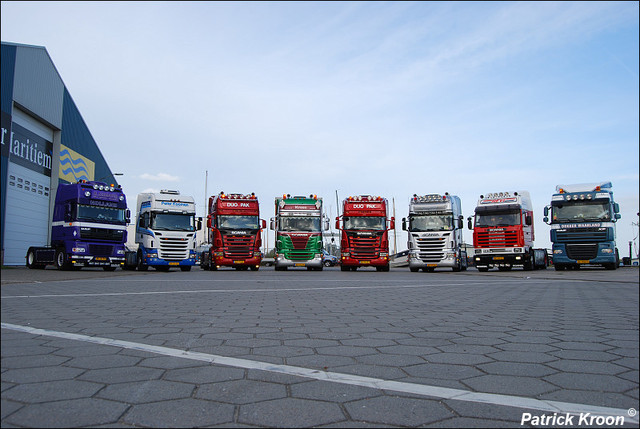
234 226
365 232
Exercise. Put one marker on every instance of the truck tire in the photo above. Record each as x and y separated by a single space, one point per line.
254 268
483 269
109 268
31 261
343 268
414 269
61 260
141 266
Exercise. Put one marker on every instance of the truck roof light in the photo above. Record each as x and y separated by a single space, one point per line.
598 188
561 190
481 197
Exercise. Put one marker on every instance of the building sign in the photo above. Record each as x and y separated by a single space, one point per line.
26 148
74 167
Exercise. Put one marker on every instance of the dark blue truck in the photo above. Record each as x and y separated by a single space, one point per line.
88 228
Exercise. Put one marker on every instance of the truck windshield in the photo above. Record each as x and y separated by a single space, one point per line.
173 222
99 214
498 218
581 211
238 222
421 223
365 222
295 223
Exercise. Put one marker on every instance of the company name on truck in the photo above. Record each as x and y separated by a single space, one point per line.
174 204
242 205
366 206
499 200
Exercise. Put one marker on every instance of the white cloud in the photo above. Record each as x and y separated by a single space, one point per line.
159 177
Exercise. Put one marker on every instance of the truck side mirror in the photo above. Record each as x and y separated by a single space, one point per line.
325 224
272 224
198 224
546 211
209 221
127 216
616 208
460 222
404 224
338 222
545 219
527 219
263 223
618 216
469 223
392 224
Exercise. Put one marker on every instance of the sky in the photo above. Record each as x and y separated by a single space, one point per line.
351 98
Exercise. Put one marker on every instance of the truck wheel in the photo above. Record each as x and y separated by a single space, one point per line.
558 267
254 268
414 269
31 261
327 263
141 266
187 268
483 269
109 268
343 268
61 260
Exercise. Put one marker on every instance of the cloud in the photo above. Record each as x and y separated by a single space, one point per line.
160 177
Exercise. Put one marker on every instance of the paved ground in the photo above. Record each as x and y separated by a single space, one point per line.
326 349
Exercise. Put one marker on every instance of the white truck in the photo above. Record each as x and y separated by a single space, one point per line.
166 231
434 228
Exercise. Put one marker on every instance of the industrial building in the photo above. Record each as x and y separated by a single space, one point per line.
45 142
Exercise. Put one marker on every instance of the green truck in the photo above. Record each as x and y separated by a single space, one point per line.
298 225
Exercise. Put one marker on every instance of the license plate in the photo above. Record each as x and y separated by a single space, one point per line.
582 261
300 265
238 262
100 259
174 263
498 258
365 262
432 265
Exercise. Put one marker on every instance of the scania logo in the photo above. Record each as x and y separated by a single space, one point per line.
431 234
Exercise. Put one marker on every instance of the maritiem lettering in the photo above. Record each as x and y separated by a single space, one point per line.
28 151
584 419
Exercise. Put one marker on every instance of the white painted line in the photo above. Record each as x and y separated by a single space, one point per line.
235 291
354 380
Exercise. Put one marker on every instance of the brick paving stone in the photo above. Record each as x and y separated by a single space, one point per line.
332 392
38 375
290 412
71 413
121 375
517 369
398 411
180 413
436 370
509 385
148 391
241 391
598 382
52 391
204 374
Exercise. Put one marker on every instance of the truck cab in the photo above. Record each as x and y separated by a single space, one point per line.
503 232
234 227
434 228
88 228
298 225
166 231
583 226
364 226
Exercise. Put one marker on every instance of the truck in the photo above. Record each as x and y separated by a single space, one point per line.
234 228
166 231
503 233
364 232
434 228
583 226
298 225
88 228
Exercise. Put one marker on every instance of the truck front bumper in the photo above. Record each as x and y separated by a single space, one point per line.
282 262
450 260
603 256
221 261
97 261
348 261
499 260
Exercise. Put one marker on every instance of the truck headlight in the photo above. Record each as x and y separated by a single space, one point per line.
606 250
558 252
383 254
120 252
78 250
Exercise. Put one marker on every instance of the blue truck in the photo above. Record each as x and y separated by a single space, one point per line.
583 229
88 228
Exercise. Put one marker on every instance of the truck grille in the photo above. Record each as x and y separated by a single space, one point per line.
299 251
101 234
431 249
174 248
583 235
582 251
100 250
365 247
238 246
497 239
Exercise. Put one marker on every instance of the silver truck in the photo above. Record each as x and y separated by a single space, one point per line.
435 233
